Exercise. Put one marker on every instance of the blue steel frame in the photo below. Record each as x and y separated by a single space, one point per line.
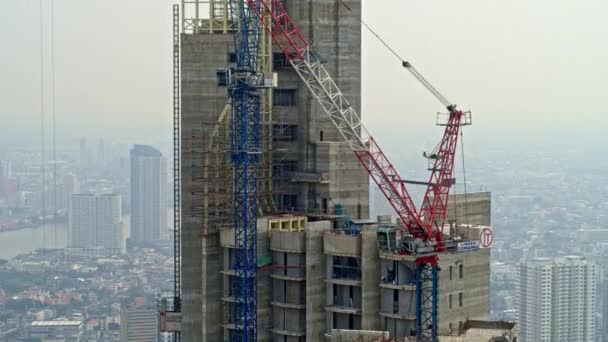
426 302
245 157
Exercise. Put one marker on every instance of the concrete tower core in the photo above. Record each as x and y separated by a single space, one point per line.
313 172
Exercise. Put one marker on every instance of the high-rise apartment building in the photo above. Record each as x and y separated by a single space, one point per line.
96 223
148 194
139 321
603 325
557 300
602 295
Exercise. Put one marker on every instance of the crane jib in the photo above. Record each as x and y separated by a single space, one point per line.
424 224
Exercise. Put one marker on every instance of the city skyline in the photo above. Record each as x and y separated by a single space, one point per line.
427 45
520 245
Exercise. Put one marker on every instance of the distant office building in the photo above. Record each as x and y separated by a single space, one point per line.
378 204
101 154
139 322
557 300
148 194
85 156
65 331
5 173
593 235
96 223
69 186
5 169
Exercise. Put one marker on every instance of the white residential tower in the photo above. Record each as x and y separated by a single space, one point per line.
96 223
557 300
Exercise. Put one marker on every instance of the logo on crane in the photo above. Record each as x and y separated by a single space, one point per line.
486 237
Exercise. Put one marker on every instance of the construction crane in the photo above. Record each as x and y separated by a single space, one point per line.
243 87
424 227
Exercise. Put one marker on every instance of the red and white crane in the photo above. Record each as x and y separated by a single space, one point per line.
425 225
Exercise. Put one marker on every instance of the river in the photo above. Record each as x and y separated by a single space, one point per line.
26 240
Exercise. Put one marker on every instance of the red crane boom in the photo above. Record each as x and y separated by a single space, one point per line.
296 48
425 224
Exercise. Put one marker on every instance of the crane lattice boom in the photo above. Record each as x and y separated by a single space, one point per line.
245 152
344 117
425 224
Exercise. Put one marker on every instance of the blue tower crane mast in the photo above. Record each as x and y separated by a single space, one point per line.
244 84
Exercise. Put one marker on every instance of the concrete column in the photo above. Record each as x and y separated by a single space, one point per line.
211 285
264 284
370 279
315 280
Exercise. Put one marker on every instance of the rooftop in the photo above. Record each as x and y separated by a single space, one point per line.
54 323
144 151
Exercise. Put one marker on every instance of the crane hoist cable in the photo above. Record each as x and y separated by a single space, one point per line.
42 126
375 34
451 107
464 179
424 223
447 103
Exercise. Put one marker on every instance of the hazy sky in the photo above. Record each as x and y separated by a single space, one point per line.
529 67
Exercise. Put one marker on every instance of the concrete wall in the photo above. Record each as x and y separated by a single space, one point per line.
202 101
335 34
346 177
474 287
288 241
336 243
478 205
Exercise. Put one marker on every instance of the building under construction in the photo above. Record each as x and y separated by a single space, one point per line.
323 262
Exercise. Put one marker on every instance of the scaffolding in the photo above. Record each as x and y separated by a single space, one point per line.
213 172
211 175
213 17
205 16
196 148
265 196
207 142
